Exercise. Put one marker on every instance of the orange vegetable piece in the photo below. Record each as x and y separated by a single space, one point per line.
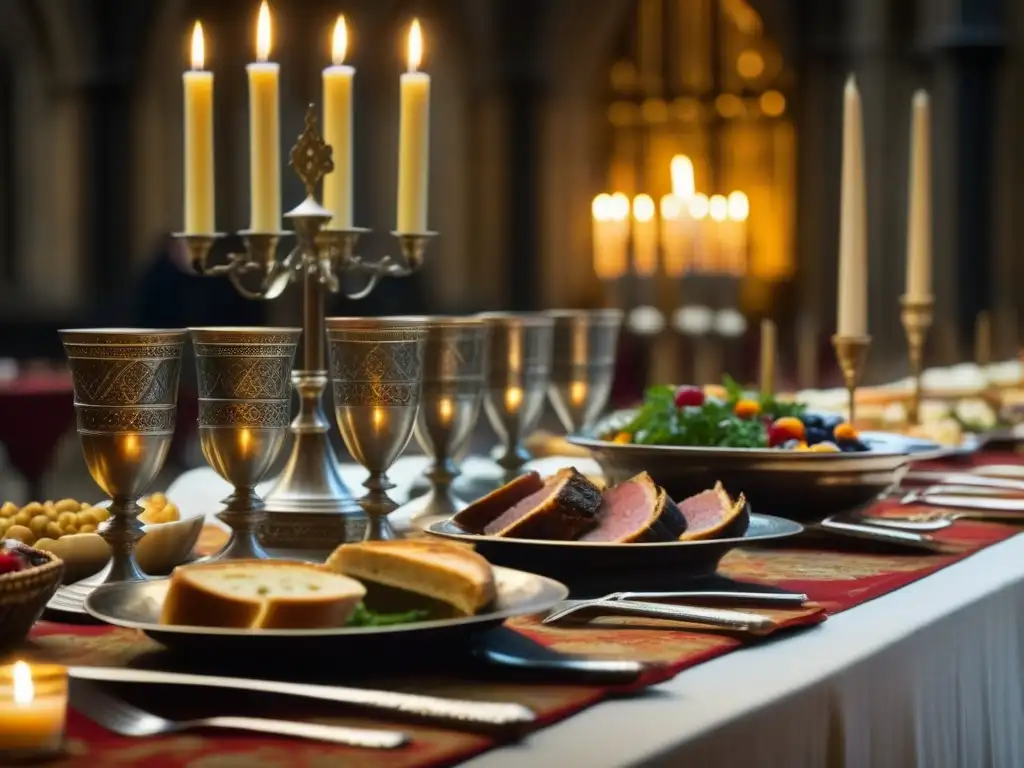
623 438
844 431
747 409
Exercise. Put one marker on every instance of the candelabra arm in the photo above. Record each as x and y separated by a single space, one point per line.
916 315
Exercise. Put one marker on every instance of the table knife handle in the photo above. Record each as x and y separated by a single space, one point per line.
739 621
352 737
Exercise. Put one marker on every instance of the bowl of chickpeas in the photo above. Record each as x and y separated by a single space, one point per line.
69 529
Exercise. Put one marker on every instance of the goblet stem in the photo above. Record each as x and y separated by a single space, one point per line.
244 514
440 502
122 531
513 457
378 505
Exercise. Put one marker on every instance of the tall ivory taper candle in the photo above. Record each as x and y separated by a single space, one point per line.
919 220
645 236
852 290
414 140
337 84
200 217
264 133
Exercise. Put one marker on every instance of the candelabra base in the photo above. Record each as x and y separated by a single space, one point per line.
309 507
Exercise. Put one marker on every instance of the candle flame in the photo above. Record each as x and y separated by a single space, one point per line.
601 208
578 393
444 410
415 46
263 33
24 689
718 207
671 208
681 169
619 208
739 206
198 46
380 418
643 208
339 43
699 205
513 399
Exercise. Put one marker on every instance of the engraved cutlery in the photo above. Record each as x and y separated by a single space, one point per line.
717 618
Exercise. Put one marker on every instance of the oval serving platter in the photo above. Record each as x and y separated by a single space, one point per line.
598 567
137 605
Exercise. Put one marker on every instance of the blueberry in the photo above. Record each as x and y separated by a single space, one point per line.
831 420
817 434
812 420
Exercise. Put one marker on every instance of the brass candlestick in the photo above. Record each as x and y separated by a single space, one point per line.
309 507
851 353
916 315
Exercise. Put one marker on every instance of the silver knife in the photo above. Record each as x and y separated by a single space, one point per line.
980 503
440 710
965 478
737 621
881 534
768 599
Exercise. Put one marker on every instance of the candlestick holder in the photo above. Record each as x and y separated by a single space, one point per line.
916 315
851 353
309 507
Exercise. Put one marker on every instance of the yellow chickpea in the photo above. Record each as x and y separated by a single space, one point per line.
22 517
70 530
64 519
21 533
4 525
87 529
158 499
171 512
87 517
53 530
84 505
51 512
38 525
33 508
67 505
102 513
9 509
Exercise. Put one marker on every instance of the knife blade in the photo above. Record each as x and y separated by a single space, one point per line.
880 534
719 618
965 478
451 712
980 503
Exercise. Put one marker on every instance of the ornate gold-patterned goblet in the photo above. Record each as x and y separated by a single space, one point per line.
126 393
583 363
244 412
376 377
454 371
519 372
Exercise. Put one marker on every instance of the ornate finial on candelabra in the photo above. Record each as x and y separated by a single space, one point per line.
311 157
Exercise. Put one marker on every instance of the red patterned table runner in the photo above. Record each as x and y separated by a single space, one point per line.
836 579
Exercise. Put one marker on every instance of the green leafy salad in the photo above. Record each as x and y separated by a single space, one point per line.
364 617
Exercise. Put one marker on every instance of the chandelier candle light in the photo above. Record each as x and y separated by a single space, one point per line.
917 304
851 340
309 506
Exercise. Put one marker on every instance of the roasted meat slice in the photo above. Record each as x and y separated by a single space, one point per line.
714 514
564 509
486 509
637 510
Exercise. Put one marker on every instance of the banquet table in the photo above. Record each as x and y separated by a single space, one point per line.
929 675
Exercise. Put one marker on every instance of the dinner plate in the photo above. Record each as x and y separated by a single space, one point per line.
590 567
137 605
799 485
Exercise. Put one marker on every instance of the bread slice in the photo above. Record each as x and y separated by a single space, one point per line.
260 594
440 571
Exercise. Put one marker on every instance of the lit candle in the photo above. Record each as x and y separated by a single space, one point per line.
605 265
717 245
769 342
672 243
198 84
919 223
264 133
618 233
739 211
33 706
337 84
681 170
699 205
645 236
852 291
414 140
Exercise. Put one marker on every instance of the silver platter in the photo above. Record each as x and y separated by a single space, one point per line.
137 604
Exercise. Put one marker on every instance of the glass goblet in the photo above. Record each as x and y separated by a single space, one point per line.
583 363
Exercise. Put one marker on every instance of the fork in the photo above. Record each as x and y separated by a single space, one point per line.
123 718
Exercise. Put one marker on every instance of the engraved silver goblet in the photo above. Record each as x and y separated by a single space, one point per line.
454 371
519 371
126 392
244 410
376 378
583 363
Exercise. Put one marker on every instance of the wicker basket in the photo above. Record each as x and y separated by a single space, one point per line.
23 596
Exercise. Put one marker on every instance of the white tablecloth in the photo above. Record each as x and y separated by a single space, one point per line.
928 676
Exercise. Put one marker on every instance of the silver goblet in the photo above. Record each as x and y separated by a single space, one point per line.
376 378
126 392
519 371
583 363
244 409
454 370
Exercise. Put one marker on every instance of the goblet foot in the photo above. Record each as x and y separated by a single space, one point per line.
511 458
122 531
243 513
436 504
